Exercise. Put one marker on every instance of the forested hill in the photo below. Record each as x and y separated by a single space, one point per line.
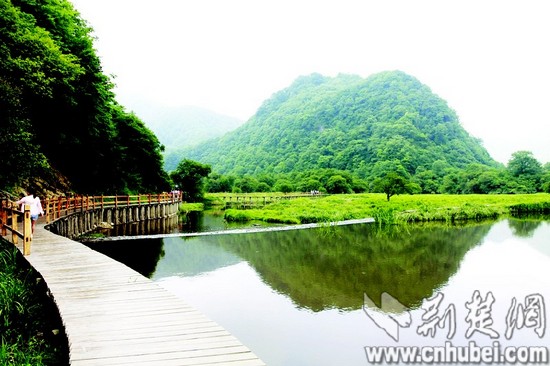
58 113
347 123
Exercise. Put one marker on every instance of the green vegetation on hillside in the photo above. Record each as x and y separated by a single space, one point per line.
523 174
346 123
348 134
58 113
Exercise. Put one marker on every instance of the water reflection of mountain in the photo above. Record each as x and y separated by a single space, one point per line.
322 269
318 268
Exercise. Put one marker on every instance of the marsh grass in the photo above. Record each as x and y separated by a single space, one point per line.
187 207
401 209
30 328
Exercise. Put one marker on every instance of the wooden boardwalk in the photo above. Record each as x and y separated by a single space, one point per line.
115 316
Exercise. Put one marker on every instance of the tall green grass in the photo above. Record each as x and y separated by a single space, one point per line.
30 328
401 209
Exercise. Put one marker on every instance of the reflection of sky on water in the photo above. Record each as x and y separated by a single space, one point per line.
233 294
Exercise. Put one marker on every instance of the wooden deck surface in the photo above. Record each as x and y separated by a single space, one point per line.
115 316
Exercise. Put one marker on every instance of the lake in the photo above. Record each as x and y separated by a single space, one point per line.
314 297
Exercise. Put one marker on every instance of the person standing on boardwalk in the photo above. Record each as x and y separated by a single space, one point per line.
35 206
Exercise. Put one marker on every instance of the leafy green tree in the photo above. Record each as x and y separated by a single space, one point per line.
392 184
283 185
427 180
246 184
189 178
523 163
308 185
337 184
139 153
545 179
219 183
526 169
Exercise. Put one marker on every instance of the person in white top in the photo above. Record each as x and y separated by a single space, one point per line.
35 206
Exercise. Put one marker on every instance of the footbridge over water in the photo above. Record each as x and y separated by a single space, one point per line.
112 314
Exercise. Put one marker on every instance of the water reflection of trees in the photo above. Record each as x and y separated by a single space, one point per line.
319 271
524 227
140 255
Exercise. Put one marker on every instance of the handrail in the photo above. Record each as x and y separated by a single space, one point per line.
58 207
10 213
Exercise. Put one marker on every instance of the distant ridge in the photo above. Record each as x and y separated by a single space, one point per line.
183 127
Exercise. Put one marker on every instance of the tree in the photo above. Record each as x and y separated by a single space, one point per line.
246 184
524 163
189 178
337 184
526 168
392 184
220 183
283 185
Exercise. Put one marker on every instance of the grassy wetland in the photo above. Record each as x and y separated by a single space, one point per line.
400 209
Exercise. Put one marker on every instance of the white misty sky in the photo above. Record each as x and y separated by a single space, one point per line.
488 59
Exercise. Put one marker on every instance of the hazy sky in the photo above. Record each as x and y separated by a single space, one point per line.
488 59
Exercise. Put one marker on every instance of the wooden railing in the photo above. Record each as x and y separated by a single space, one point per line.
250 200
57 207
9 221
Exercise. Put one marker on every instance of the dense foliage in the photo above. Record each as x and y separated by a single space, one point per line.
345 134
346 123
189 178
57 109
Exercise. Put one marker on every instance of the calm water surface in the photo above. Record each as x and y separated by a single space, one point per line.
297 297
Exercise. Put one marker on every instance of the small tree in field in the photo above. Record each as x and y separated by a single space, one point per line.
392 184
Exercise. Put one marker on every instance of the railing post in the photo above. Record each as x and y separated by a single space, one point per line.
27 231
3 217
14 225
47 204
58 215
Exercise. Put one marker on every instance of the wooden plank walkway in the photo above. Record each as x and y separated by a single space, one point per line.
115 316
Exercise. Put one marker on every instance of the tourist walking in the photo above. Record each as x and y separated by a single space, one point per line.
35 207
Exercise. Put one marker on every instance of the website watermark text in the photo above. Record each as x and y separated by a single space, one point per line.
450 354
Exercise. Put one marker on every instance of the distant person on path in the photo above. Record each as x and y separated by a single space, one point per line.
35 206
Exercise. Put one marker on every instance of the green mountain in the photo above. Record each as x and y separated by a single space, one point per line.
346 123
